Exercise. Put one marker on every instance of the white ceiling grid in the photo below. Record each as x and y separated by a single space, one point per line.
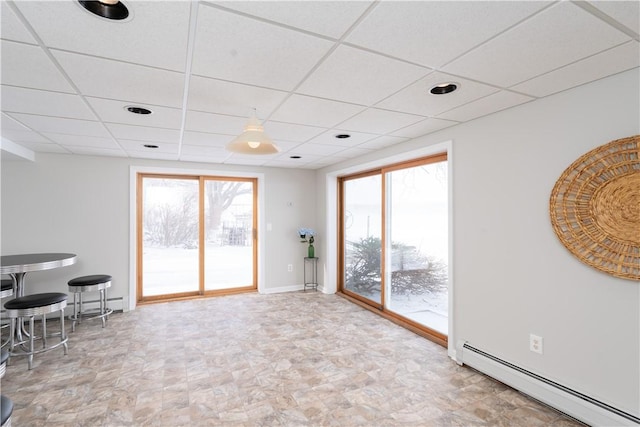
312 69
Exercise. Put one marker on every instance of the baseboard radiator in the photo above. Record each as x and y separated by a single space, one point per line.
571 402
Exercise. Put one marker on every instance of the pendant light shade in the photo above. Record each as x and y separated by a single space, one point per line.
253 140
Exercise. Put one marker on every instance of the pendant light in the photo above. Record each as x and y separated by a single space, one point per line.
253 140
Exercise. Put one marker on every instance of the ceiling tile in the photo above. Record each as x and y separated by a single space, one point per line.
290 131
329 18
28 66
318 149
40 147
545 42
138 147
355 138
490 104
215 123
155 155
379 121
249 160
246 50
416 99
284 163
206 139
155 34
12 28
424 127
604 64
286 146
361 77
315 111
205 159
118 80
201 150
32 101
217 96
82 141
432 33
143 133
625 12
383 141
61 125
97 151
20 136
8 123
113 111
355 152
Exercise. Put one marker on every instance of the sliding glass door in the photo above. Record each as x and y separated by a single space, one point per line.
196 236
170 230
417 244
394 241
362 240
229 240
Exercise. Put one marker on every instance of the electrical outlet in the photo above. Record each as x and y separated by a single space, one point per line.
535 343
290 268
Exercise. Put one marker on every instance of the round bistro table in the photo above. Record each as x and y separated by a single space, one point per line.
17 266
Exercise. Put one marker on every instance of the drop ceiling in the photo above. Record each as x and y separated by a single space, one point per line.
312 70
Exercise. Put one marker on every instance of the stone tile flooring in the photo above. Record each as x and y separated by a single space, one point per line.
294 359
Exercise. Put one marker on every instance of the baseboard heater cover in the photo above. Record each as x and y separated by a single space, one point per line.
564 399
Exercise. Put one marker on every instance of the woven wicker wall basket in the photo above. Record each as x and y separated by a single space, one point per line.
595 208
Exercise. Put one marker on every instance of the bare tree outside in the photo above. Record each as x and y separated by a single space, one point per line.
220 195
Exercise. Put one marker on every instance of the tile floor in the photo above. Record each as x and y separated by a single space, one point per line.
295 359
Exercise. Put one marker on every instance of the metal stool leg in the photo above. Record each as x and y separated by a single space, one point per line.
44 331
63 334
102 307
31 346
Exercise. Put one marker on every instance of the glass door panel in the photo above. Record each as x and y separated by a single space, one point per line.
170 236
417 230
362 233
229 243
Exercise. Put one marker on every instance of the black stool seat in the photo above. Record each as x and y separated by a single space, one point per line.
94 279
35 300
6 284
6 409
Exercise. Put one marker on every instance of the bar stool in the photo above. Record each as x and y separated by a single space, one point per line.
6 405
79 285
6 291
6 409
4 356
29 307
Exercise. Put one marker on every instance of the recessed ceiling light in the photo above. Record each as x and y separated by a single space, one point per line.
444 88
295 157
343 135
150 146
137 110
110 9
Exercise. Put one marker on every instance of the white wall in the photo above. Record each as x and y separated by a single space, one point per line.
512 275
81 204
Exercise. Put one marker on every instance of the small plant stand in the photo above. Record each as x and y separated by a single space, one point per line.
310 273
